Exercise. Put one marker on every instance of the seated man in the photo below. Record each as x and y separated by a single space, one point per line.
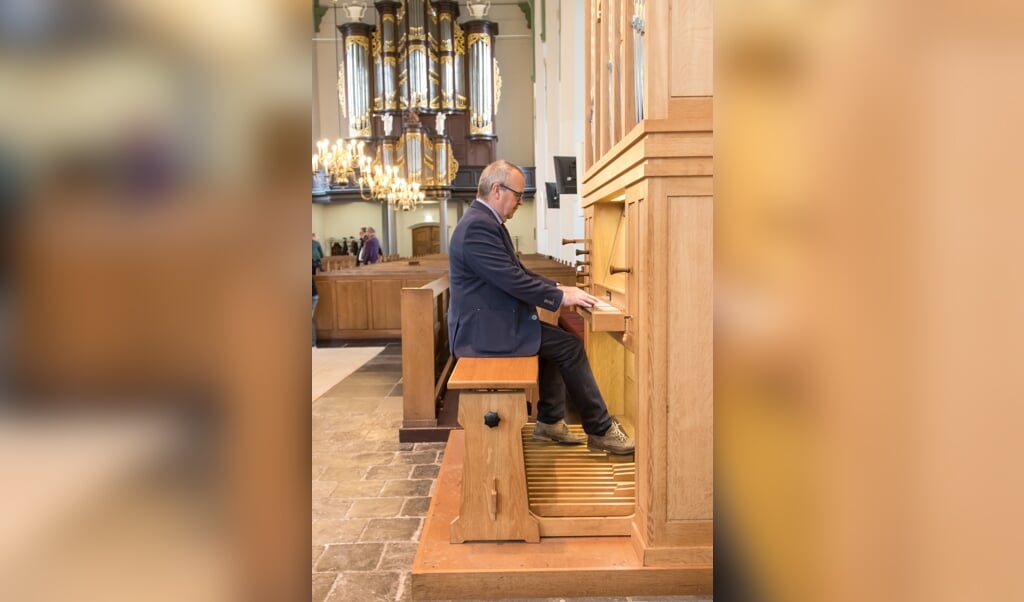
492 313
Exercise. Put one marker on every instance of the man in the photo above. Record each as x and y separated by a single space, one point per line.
360 253
371 250
492 312
318 251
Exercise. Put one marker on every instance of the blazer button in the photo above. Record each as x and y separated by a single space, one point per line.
533 316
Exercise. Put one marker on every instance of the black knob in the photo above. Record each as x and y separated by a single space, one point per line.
491 419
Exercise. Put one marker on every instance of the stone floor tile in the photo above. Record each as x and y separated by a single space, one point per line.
407 488
372 378
322 583
325 451
343 473
317 469
317 551
431 446
395 446
346 391
382 434
397 557
350 557
357 489
373 458
415 506
337 530
388 472
322 489
425 471
366 587
391 529
375 507
427 457
330 507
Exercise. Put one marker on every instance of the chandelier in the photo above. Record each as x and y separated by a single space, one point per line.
343 164
338 161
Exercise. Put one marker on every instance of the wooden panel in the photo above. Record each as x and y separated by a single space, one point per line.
629 401
351 305
494 372
418 358
606 357
603 318
689 361
493 501
584 526
691 55
324 317
385 304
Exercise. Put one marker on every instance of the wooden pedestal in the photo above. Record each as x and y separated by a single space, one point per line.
494 504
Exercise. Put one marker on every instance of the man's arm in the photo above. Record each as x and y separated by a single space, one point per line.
486 254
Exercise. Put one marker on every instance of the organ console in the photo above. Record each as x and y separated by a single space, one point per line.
647 199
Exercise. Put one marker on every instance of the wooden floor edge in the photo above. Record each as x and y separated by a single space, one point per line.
553 583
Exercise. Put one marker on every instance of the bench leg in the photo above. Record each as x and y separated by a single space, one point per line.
494 504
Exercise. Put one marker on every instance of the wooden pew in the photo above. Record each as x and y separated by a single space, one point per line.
426 359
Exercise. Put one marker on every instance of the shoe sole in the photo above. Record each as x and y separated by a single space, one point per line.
552 439
611 451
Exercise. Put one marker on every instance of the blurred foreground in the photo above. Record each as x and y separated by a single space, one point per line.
868 301
153 427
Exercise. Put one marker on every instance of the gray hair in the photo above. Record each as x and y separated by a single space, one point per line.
495 173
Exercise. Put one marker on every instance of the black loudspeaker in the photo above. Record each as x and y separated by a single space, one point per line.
565 174
552 194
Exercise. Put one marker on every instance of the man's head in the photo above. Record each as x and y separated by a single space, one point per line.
362 233
314 236
501 187
370 232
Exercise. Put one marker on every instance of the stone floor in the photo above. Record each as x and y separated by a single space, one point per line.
371 492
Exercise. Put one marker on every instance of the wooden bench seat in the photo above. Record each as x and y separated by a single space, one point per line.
492 411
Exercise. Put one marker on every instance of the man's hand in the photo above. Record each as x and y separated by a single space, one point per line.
577 296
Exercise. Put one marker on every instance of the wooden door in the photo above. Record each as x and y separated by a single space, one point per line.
426 240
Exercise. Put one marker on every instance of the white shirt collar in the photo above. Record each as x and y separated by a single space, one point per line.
491 209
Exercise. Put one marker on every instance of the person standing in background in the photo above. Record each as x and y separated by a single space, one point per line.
318 251
371 248
362 244
316 294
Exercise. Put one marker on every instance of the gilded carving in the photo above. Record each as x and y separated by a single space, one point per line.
460 39
480 37
497 85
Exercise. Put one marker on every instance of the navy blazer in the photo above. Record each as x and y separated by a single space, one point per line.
492 310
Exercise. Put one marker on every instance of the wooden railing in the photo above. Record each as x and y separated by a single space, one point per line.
426 358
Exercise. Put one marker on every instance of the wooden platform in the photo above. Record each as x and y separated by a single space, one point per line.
557 566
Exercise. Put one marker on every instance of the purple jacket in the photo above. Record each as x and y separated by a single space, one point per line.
371 251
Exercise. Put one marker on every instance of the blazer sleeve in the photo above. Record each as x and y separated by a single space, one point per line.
487 255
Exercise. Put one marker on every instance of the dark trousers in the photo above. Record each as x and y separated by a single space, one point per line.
563 365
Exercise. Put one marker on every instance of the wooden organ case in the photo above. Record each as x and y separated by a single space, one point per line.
647 197
648 209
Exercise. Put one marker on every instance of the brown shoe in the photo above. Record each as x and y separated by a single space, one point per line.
615 441
557 432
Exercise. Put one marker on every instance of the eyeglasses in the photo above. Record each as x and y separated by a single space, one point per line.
519 194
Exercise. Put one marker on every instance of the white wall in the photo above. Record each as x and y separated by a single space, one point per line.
514 123
559 103
341 220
